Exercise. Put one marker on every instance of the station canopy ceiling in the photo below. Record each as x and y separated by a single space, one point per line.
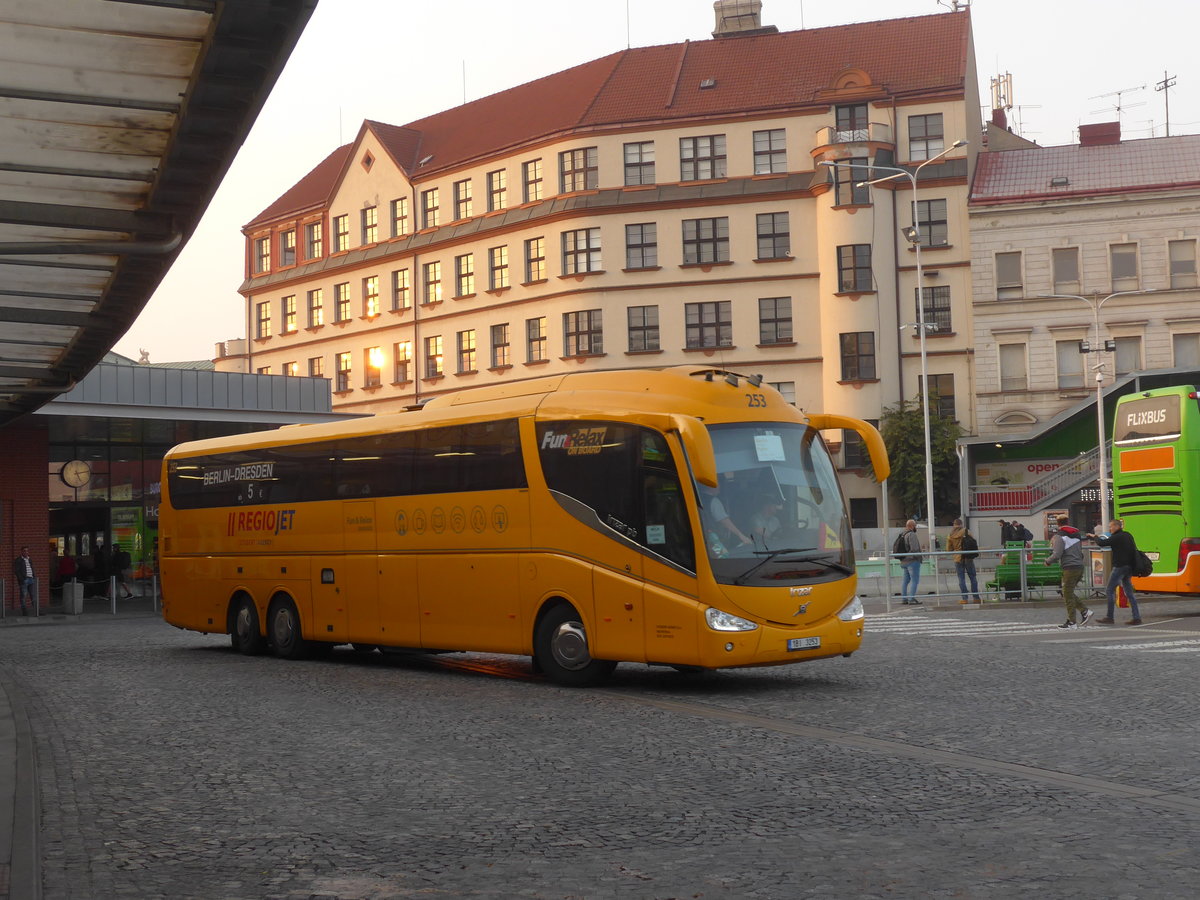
118 119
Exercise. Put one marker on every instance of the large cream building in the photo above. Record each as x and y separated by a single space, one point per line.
659 206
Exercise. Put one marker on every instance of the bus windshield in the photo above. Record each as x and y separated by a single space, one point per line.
778 513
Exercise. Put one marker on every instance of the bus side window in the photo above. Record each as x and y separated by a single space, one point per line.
667 532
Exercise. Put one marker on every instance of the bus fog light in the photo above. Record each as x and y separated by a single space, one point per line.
852 611
723 621
729 648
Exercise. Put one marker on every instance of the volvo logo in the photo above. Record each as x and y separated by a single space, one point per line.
802 610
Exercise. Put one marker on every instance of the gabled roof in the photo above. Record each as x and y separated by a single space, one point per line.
749 74
1148 164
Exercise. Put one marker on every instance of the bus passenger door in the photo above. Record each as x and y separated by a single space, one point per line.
359 575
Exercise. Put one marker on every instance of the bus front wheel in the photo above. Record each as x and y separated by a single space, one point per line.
560 648
286 637
244 633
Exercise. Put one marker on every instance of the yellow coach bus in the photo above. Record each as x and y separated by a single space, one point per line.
685 516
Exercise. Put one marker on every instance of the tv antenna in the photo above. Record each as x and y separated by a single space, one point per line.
1165 86
1118 106
955 5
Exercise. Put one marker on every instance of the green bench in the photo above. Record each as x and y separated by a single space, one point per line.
1038 576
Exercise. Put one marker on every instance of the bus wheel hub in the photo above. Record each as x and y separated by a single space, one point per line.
570 646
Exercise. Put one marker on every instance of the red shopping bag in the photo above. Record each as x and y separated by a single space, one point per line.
1122 598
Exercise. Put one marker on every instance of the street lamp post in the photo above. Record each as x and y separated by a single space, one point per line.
913 234
1096 302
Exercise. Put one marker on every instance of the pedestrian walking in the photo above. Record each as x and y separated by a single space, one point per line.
1124 555
910 562
120 566
966 549
1066 548
26 584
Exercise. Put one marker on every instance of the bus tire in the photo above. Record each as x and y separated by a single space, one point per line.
244 632
560 649
286 637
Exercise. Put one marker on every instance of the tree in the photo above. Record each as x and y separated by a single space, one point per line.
903 430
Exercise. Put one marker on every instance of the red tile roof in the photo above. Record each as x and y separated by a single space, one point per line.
311 191
754 73
1142 165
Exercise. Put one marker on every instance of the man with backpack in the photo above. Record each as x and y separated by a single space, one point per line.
1124 558
966 549
908 550
1067 546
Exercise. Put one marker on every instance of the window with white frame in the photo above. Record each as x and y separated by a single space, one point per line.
1014 374
1069 364
1182 255
1123 261
1064 263
770 151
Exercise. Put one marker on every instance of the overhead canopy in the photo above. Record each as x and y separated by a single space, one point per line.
118 119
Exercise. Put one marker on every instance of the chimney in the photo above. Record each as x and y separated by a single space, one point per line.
1099 134
736 18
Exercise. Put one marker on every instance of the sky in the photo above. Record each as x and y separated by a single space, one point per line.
397 61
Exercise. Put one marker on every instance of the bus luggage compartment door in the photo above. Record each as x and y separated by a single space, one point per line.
358 578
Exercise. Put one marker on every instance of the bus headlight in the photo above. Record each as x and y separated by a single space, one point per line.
723 621
852 611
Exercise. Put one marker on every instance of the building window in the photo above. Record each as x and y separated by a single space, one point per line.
1182 256
1008 276
850 184
858 355
431 282
497 190
864 511
1128 355
1123 259
851 123
641 246
941 395
291 368
774 237
262 255
1068 364
263 370
370 296
705 240
639 162
1014 376
925 136
466 351
341 301
341 233
287 247
316 367
262 327
314 240
709 324
401 289
581 251
937 308
701 158
430 212
934 228
372 367
463 205
770 152
531 180
316 308
535 260
288 308
855 454
402 366
1065 264
583 333
370 224
400 225
787 390
464 275
497 268
643 328
1185 349
433 356
854 268
535 339
342 383
501 357
774 320
578 170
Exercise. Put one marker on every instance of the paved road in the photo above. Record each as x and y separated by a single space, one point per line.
949 758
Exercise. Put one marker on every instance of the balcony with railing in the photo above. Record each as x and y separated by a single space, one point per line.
875 132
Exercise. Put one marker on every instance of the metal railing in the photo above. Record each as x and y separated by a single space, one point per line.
76 596
1029 498
874 131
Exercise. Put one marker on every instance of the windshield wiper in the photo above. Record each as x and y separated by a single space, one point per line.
769 555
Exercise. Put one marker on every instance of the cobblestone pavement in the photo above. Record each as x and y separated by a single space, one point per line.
928 765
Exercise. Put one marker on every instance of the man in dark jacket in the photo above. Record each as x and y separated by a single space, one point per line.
24 574
1124 552
1066 547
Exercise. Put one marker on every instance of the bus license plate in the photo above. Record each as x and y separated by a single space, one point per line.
1153 554
808 643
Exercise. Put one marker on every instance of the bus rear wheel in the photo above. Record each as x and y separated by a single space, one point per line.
560 648
244 633
286 637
